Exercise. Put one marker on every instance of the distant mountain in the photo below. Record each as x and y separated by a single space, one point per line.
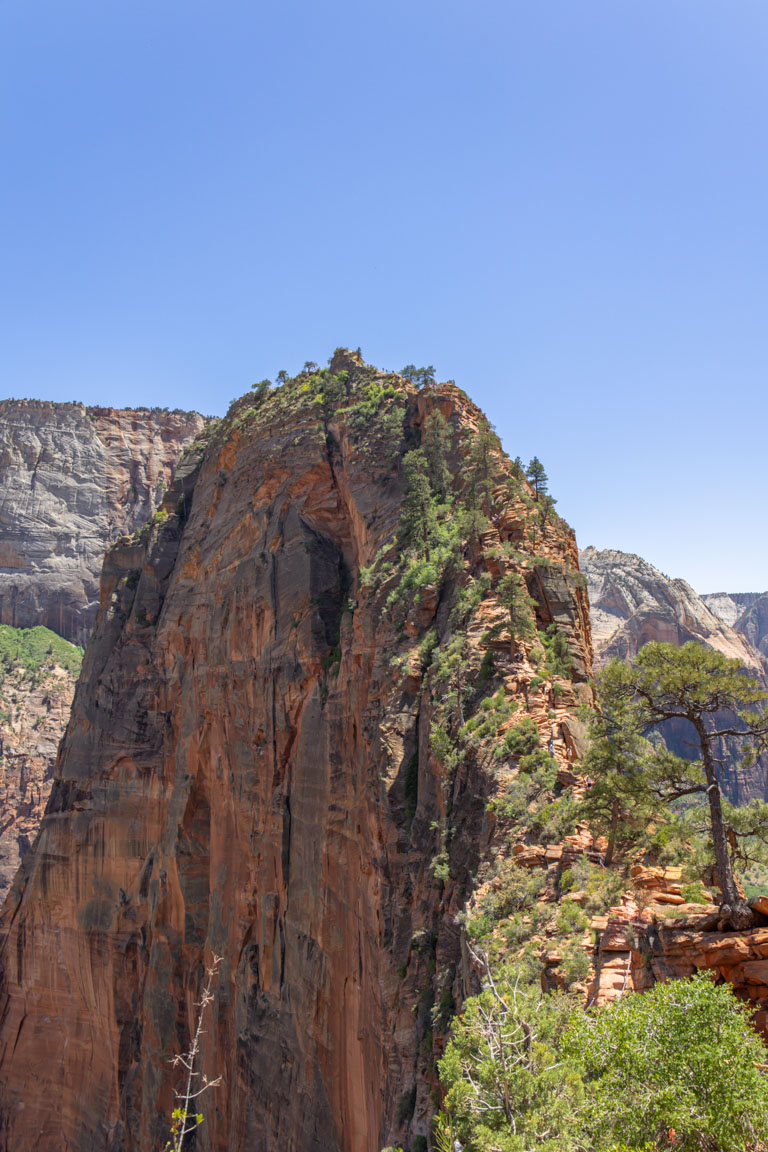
72 481
747 613
632 603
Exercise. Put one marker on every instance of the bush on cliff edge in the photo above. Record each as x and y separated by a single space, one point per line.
679 1067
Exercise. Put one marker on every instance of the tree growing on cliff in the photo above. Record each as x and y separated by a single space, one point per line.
418 517
420 376
537 476
718 700
519 604
436 442
482 467
679 1067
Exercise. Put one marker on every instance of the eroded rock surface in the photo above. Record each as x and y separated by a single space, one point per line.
249 771
73 479
632 603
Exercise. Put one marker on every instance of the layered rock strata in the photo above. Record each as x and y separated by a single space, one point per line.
632 603
73 479
251 770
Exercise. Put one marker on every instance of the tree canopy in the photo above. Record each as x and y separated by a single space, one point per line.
634 776
679 1067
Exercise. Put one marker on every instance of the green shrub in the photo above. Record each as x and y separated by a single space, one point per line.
571 919
537 760
681 1058
524 738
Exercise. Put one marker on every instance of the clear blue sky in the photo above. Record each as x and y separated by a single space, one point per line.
560 204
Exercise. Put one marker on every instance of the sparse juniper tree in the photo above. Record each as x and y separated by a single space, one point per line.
719 701
537 476
261 388
282 376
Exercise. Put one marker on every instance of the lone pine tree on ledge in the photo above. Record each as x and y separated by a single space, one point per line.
720 701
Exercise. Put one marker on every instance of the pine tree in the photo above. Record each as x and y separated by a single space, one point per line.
418 518
537 476
513 594
436 442
718 700
481 467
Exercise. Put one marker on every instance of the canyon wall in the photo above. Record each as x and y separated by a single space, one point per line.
72 480
259 766
632 603
37 682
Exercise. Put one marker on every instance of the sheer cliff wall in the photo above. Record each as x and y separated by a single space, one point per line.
72 480
248 772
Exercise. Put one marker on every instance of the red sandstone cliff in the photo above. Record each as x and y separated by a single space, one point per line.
248 771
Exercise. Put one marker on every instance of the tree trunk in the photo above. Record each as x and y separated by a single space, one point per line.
740 915
612 834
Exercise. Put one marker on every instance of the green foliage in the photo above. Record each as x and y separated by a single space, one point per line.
33 649
436 444
513 595
694 893
482 468
419 376
575 966
602 887
557 654
682 1057
678 1068
524 738
378 411
418 518
570 918
428 647
330 391
507 1088
537 476
261 389
636 777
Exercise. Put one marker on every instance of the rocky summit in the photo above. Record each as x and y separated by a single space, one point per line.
262 764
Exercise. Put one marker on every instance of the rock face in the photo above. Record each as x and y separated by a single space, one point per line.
73 479
251 769
631 603
747 613
34 709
